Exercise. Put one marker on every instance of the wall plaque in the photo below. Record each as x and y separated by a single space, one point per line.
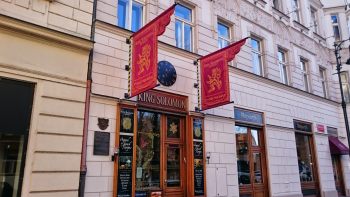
156 99
320 128
247 116
126 120
302 126
332 131
101 143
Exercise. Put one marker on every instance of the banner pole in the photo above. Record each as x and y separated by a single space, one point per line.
196 62
128 68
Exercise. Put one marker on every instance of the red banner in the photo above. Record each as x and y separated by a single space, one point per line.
215 85
145 53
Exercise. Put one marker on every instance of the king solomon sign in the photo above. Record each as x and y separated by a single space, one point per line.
163 100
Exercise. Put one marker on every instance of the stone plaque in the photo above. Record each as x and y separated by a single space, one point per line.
101 143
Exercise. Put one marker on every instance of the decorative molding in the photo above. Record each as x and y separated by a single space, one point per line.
16 26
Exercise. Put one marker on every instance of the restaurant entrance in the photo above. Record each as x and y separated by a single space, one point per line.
159 148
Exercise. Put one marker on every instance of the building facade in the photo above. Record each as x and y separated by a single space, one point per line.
278 138
44 55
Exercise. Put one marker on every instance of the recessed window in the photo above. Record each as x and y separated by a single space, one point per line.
323 78
130 15
345 86
223 35
256 55
183 27
336 29
314 19
304 71
282 63
296 11
277 4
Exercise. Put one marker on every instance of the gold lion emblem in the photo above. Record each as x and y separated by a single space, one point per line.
144 58
197 132
214 80
126 123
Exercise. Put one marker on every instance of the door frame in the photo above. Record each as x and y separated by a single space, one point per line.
340 170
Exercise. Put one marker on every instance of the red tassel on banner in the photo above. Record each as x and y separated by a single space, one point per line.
145 53
215 85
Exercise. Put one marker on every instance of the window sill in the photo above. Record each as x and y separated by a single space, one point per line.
300 26
280 14
319 37
261 2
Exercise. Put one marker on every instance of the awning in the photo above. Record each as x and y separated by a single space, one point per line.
337 147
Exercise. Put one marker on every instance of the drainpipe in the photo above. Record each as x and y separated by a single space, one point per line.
83 168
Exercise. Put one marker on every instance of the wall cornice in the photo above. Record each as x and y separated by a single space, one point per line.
16 26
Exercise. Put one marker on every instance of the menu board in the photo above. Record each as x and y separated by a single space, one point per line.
197 129
198 177
198 169
125 145
125 166
127 120
101 143
198 150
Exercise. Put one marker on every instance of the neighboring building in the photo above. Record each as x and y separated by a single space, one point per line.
44 53
273 141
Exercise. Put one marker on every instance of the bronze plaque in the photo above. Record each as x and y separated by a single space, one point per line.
166 101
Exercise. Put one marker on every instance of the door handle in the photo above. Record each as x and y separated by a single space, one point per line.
165 180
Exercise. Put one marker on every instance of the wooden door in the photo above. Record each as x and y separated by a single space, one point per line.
307 164
251 162
338 178
174 179
174 156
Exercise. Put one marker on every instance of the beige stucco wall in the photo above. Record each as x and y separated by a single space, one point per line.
57 64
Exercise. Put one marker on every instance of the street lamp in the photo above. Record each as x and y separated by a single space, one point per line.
338 48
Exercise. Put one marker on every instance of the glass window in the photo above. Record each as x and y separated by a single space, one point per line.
183 27
323 78
173 124
281 55
255 137
130 15
314 19
256 56
148 151
173 165
336 29
305 160
296 11
242 155
223 35
304 71
257 168
345 86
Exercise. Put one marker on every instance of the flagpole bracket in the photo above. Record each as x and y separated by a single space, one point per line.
128 41
196 85
126 96
195 62
196 109
127 67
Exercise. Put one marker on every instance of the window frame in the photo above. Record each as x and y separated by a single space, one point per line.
259 53
314 19
323 78
346 83
283 66
183 22
296 10
128 18
229 29
337 24
305 74
279 5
